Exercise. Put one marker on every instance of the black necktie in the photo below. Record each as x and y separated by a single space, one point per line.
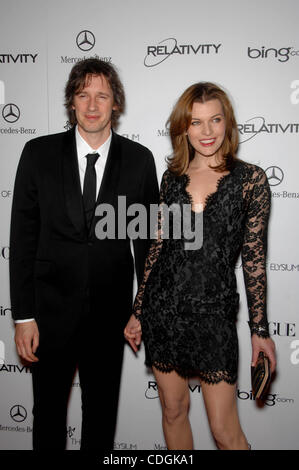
90 187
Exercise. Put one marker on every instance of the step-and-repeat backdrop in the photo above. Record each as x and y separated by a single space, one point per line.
160 48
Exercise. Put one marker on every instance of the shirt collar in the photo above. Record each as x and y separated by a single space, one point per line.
83 148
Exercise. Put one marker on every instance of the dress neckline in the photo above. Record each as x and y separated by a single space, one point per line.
209 197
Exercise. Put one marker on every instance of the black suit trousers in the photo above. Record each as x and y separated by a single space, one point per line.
99 363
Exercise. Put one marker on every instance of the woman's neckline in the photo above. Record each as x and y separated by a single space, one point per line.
209 197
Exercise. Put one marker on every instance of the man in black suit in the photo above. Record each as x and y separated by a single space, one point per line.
71 292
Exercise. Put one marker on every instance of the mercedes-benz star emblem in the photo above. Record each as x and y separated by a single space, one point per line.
275 175
18 413
11 113
85 40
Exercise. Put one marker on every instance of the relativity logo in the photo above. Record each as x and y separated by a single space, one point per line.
152 389
18 58
158 53
258 125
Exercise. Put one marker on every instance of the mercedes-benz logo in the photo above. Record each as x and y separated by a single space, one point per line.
85 40
18 413
11 112
275 175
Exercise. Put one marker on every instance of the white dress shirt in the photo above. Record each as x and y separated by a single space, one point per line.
83 148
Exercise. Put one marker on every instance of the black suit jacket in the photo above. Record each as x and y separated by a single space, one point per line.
59 273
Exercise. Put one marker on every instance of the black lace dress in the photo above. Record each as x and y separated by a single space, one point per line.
188 300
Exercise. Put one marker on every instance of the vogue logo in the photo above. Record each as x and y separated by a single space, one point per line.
158 53
257 125
282 329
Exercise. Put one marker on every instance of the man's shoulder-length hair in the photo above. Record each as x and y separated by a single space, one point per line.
79 76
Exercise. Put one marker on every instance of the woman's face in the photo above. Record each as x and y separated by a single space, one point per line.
207 129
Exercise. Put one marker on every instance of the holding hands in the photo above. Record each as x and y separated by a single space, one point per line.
133 333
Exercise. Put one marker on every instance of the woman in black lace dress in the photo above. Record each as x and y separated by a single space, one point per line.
187 303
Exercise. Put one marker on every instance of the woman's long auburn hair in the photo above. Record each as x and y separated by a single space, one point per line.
180 120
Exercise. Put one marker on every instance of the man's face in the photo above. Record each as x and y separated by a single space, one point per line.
93 106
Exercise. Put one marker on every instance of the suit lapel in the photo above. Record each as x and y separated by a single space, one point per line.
71 182
109 186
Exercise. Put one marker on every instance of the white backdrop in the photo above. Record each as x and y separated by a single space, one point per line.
160 48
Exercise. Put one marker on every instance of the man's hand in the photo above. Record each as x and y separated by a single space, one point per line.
133 333
27 340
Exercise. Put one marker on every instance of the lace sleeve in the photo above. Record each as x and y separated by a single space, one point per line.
254 252
153 253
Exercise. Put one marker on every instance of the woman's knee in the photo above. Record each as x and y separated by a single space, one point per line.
227 436
175 409
220 433
174 395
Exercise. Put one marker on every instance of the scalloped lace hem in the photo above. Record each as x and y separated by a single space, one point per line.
209 377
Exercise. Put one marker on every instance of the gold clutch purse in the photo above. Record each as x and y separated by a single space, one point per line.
260 376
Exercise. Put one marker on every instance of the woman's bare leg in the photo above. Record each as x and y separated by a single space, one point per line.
175 401
221 405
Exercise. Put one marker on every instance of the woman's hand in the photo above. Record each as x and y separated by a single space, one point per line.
133 332
267 346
